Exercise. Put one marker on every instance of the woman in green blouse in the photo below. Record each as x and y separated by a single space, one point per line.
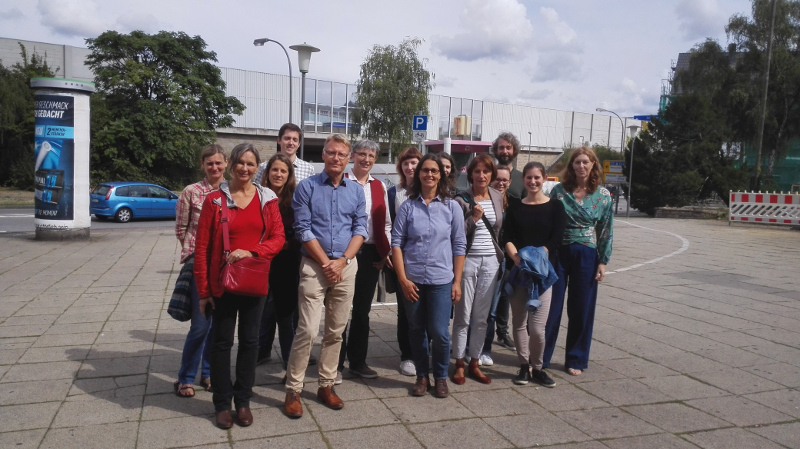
582 257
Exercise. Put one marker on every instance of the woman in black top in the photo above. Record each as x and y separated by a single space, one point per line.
536 221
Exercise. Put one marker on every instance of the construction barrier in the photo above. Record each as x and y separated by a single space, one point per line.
758 207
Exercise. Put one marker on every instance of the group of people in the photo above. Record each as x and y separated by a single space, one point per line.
472 255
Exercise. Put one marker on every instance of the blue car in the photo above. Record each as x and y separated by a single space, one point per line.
127 200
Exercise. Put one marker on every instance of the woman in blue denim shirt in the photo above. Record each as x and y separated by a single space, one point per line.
428 249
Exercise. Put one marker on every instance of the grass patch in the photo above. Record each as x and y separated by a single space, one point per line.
10 197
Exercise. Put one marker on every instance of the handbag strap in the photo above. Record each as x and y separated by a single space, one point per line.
226 238
469 199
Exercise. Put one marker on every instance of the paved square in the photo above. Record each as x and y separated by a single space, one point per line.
696 345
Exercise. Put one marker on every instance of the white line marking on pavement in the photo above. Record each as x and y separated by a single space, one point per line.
683 248
384 304
17 216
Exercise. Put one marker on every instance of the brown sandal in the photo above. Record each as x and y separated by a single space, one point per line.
183 390
206 383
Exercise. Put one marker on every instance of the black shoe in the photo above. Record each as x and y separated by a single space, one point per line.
364 371
539 376
264 355
524 375
312 360
506 342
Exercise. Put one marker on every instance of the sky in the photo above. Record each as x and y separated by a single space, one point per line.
574 55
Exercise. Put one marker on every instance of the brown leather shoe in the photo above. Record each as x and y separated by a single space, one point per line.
327 395
245 416
475 372
292 406
224 419
422 386
459 379
441 390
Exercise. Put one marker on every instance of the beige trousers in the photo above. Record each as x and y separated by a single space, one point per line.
529 329
314 293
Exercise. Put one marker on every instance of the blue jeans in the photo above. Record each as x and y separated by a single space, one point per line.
197 345
429 317
576 268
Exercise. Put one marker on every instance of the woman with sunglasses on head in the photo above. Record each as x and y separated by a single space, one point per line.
428 248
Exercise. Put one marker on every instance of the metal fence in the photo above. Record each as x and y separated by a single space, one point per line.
760 207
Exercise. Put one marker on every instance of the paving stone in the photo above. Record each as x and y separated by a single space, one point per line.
28 416
736 381
48 340
562 397
535 430
676 418
26 439
739 411
121 435
41 371
190 431
636 368
54 354
103 411
466 434
682 387
610 422
624 392
34 391
309 440
660 441
786 401
270 422
782 373
117 366
427 409
501 402
728 438
786 434
370 412
390 437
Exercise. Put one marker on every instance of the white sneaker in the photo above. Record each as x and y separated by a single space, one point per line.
407 368
485 360
338 380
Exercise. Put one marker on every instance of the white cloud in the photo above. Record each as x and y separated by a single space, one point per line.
539 94
560 51
496 98
72 18
699 18
496 29
11 14
132 20
445 81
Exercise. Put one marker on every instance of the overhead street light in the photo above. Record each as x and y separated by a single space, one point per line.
260 43
303 61
633 129
621 125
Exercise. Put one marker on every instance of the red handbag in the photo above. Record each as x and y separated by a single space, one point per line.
248 276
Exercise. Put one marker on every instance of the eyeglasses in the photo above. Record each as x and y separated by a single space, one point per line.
340 156
430 171
370 156
502 181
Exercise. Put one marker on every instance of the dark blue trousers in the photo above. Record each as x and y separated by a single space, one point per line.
576 268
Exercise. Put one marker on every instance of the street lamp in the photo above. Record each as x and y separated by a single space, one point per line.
633 129
303 60
621 125
260 43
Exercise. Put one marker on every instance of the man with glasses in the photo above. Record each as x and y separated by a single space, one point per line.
371 258
331 222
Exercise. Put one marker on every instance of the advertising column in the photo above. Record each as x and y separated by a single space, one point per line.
61 170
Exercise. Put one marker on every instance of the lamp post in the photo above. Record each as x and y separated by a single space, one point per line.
633 129
621 125
260 43
303 61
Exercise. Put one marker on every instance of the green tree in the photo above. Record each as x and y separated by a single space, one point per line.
16 119
682 157
160 98
392 88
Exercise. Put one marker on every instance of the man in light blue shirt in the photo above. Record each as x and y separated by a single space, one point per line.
331 222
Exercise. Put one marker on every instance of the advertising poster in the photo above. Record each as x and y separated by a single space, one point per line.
54 147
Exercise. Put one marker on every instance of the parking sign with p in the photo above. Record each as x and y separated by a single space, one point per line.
420 123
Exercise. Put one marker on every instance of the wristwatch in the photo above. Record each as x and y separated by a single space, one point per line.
347 259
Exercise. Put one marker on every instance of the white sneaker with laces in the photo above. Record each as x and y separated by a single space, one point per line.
338 380
407 368
485 360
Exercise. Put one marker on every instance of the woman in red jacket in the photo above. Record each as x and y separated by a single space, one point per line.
255 230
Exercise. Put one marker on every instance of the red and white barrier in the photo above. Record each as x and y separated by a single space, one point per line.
757 207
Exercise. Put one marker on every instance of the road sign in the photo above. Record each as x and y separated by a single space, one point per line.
419 136
420 123
614 179
613 166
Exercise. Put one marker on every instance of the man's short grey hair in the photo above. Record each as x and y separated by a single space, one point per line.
367 144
